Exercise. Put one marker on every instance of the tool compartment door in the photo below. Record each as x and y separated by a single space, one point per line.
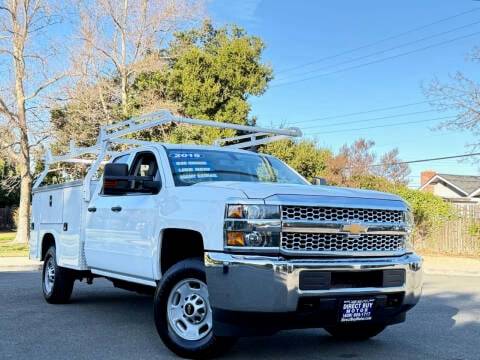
71 237
50 206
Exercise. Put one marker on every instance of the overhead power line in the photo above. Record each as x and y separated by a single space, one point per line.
429 159
379 41
363 112
368 120
379 52
449 133
379 60
383 126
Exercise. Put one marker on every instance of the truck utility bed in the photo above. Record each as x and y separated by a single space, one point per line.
60 209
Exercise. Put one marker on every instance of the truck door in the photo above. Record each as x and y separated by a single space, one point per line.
121 230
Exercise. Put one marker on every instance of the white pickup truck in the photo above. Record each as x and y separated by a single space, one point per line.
231 243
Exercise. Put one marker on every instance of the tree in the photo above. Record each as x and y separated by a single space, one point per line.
210 74
9 194
461 95
304 156
391 167
117 40
359 160
83 114
117 37
359 157
25 55
214 71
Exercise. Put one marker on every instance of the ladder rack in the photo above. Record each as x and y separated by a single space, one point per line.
113 134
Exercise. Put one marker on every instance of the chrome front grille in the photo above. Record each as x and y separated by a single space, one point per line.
341 242
327 230
312 213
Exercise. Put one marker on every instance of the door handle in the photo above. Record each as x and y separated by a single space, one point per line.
92 209
117 208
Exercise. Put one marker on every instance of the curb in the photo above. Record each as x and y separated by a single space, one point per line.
19 263
20 268
451 273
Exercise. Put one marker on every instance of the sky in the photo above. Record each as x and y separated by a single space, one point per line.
335 58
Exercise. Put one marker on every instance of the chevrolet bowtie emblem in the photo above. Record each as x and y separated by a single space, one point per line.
355 229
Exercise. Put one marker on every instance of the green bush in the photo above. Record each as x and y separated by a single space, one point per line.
428 209
474 229
304 156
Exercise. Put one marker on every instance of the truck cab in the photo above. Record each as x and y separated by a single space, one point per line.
231 243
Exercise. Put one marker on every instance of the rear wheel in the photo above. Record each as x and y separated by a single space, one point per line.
355 332
183 315
57 282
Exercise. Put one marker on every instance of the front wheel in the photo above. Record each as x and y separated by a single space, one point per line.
183 315
57 282
355 332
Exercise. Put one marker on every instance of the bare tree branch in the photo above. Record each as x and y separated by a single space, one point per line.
118 34
5 110
23 24
45 85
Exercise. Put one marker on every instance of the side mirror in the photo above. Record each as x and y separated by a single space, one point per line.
115 179
319 181
116 170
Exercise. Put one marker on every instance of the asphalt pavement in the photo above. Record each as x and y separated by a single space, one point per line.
102 322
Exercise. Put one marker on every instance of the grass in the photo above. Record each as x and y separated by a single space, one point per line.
8 248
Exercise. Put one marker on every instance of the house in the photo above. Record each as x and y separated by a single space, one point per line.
460 189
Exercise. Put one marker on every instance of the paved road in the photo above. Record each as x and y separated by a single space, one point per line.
107 323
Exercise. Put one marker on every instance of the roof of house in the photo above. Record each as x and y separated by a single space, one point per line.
467 184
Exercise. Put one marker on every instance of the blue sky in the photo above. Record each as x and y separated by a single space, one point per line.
300 32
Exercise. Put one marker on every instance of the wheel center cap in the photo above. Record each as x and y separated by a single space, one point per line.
189 309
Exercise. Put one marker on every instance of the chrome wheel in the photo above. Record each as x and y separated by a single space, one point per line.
188 310
49 275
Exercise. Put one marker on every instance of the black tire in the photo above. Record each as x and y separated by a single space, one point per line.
206 347
355 332
60 289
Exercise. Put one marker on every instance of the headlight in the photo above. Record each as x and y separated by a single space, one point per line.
409 221
410 225
253 212
252 227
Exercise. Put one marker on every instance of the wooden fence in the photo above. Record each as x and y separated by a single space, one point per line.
6 218
457 237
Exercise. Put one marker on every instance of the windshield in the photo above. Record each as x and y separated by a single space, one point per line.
193 166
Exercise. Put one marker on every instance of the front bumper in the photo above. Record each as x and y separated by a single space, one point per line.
251 284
